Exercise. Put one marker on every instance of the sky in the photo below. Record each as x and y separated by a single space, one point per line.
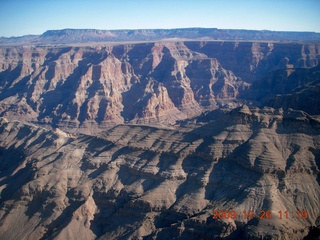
23 17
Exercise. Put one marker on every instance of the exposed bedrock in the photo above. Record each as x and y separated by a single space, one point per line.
152 83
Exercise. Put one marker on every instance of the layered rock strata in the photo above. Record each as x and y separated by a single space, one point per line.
81 88
139 182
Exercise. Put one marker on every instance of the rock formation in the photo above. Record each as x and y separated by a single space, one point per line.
94 88
143 182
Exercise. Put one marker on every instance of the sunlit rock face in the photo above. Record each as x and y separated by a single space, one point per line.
151 83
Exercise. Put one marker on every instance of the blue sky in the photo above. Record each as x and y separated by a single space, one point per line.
21 17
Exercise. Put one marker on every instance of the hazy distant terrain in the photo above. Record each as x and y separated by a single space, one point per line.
69 36
143 134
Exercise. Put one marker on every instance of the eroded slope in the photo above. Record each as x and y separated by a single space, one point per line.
139 181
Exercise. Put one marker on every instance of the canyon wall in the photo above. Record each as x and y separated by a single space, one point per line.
82 88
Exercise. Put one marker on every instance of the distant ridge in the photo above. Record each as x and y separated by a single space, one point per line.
68 36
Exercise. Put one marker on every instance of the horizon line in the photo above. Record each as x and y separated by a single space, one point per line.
137 29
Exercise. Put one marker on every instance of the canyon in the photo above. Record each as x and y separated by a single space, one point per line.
147 135
141 182
85 89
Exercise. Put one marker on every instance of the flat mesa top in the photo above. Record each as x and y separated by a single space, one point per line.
92 36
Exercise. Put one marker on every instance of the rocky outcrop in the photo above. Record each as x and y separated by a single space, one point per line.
90 88
147 182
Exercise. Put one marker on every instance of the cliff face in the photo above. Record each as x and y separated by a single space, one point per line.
145 182
85 87
252 61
